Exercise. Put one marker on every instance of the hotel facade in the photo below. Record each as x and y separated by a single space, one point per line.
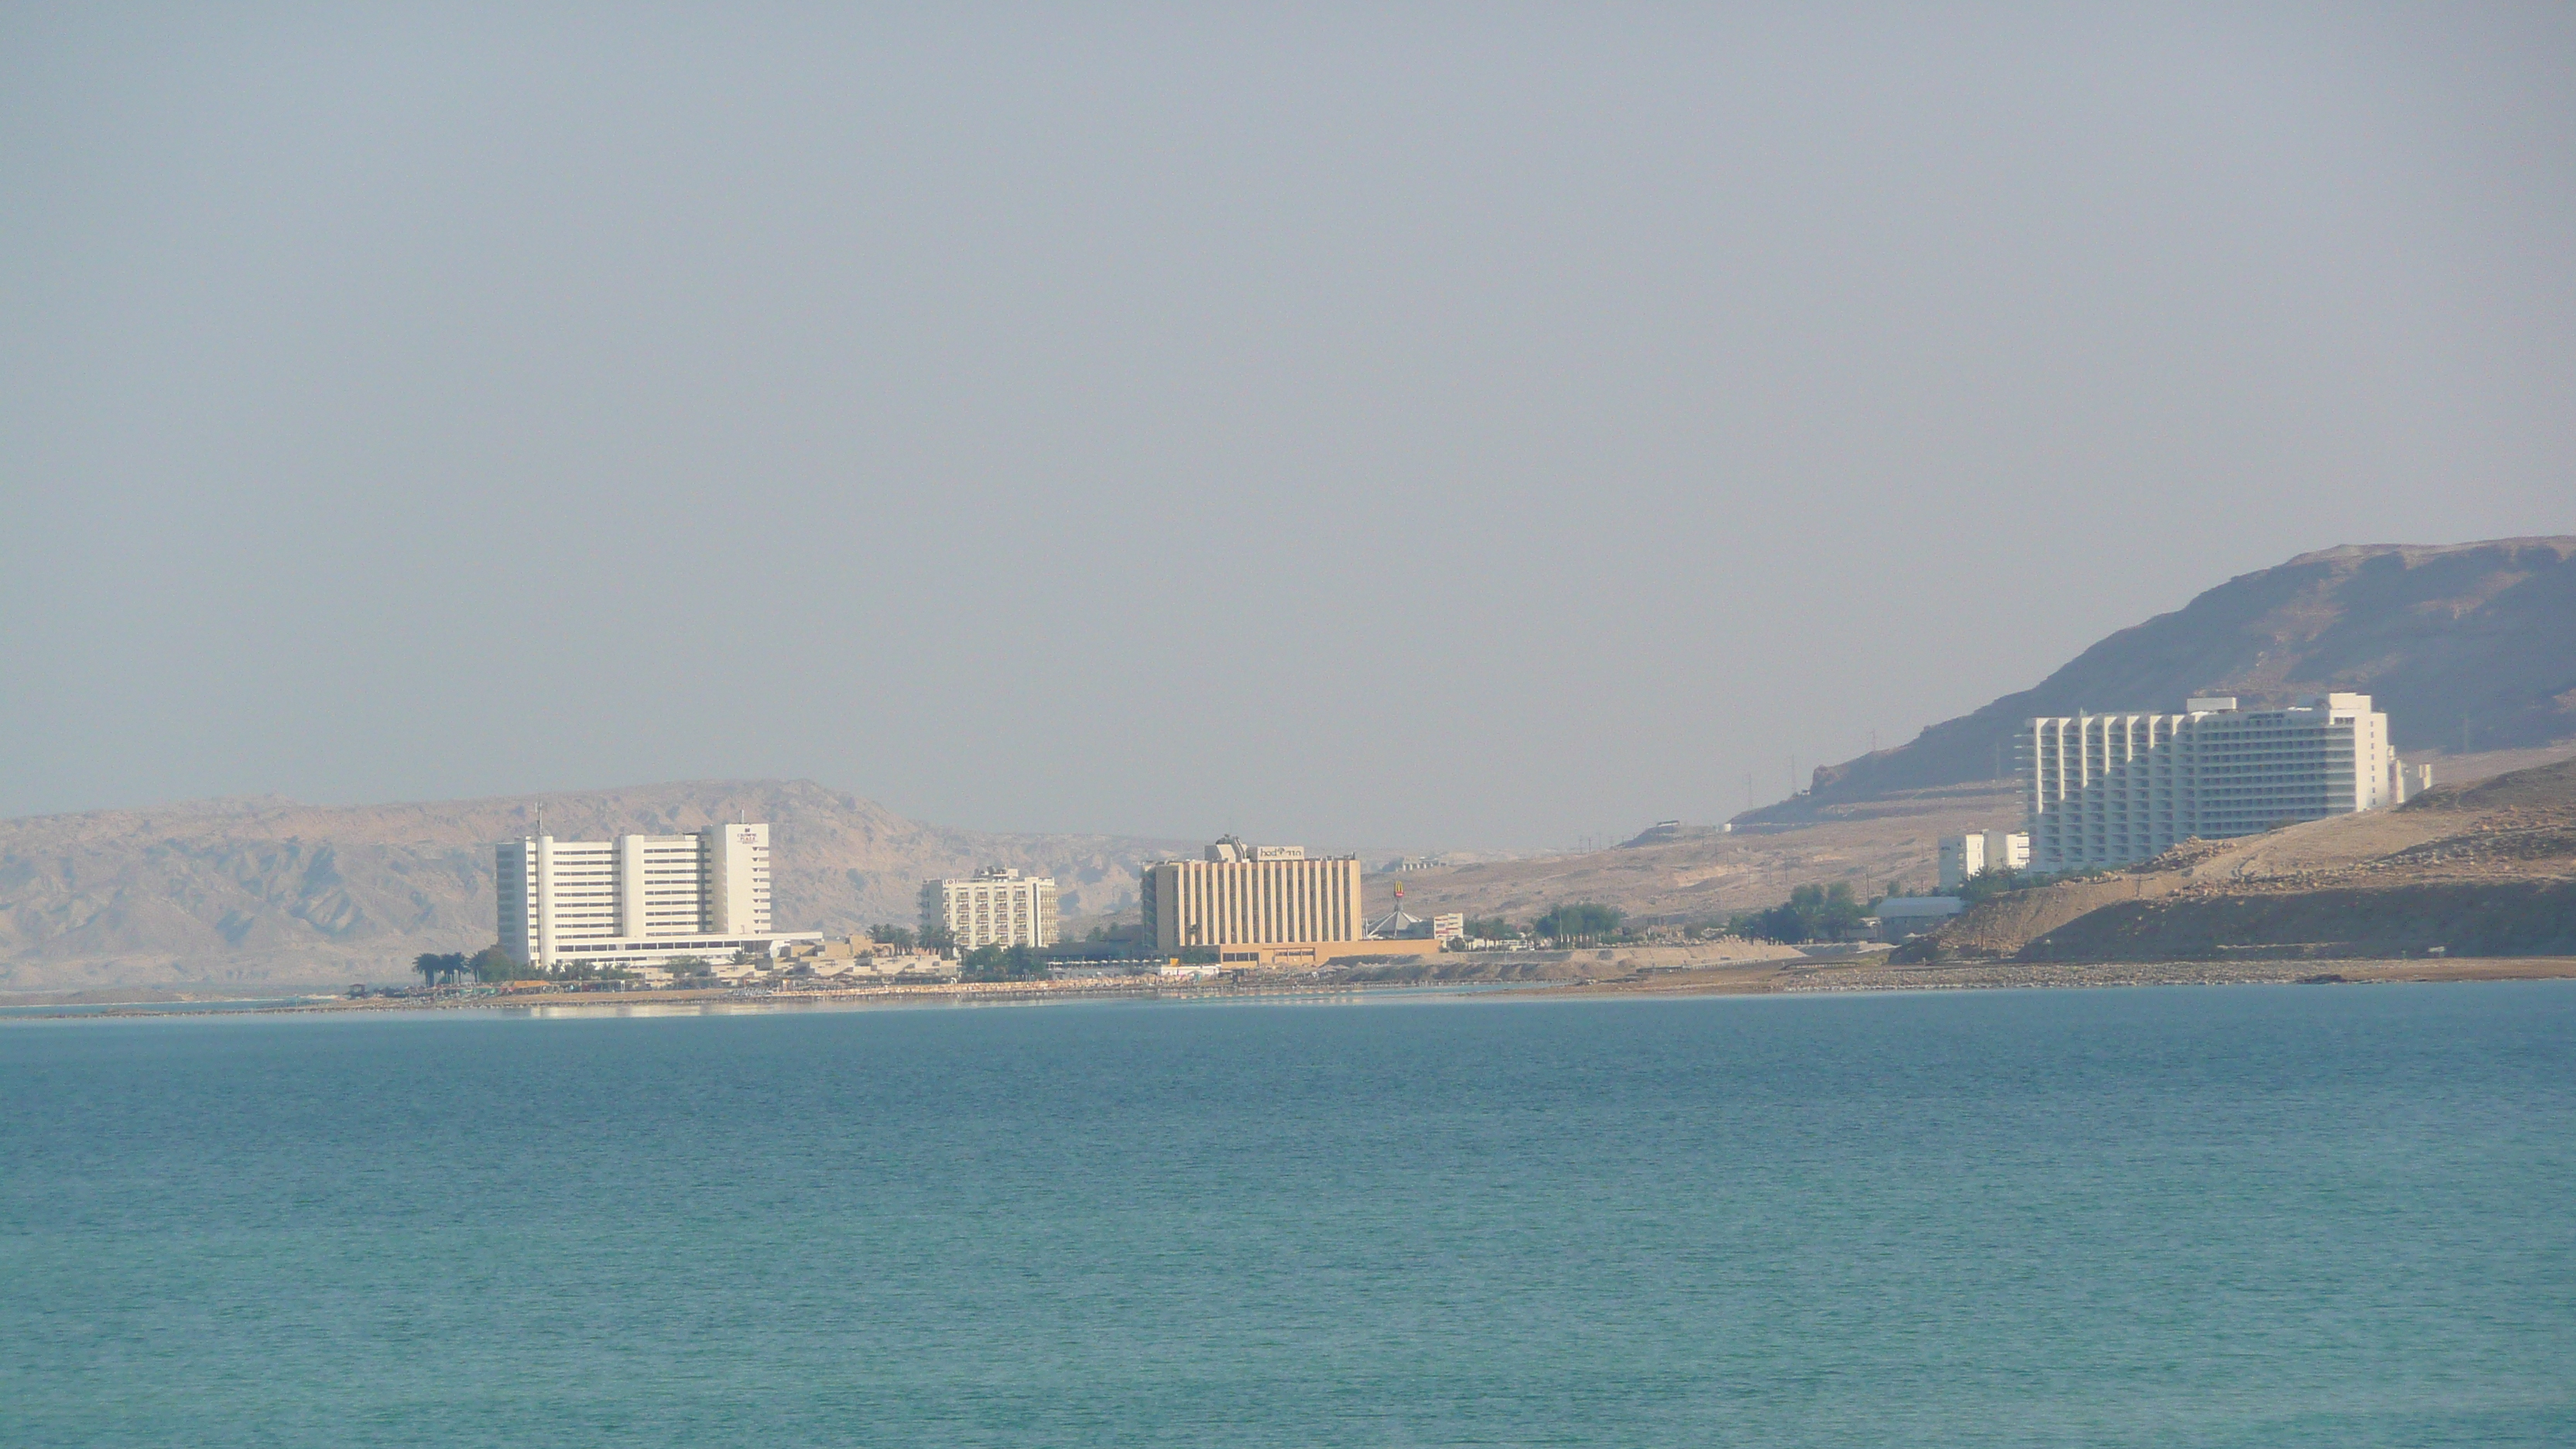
1252 898
2110 789
638 900
994 907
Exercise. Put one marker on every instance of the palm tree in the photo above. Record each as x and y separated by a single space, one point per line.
435 967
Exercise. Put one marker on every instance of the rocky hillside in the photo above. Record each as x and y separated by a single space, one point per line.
2484 632
2483 869
231 892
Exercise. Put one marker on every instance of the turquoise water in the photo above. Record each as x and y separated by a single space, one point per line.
2260 1216
149 1008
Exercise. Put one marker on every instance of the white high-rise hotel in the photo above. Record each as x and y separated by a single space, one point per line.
2107 789
998 907
639 900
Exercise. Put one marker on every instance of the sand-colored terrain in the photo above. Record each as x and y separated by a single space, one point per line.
1867 845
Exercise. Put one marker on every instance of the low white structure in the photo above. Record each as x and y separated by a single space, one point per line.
994 907
639 900
1903 916
883 967
2108 789
1964 855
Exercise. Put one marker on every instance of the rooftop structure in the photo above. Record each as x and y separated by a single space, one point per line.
1900 917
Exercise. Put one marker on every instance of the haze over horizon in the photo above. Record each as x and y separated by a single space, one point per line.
1457 427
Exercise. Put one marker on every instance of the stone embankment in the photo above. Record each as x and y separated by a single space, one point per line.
2467 918
1991 975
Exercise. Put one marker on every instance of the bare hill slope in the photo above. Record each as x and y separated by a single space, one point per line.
1709 876
2482 869
241 891
2436 634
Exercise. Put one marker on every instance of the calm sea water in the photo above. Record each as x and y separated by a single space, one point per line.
2260 1216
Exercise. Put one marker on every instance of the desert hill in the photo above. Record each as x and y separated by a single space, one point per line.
2482 632
1695 878
2487 868
231 892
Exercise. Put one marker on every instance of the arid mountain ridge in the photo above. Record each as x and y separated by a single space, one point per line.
232 892
2482 633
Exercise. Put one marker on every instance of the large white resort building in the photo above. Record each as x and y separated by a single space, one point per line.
2108 789
639 900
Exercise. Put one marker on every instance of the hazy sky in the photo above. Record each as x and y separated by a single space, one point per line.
1461 426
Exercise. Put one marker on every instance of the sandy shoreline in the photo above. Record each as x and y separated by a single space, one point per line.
1745 979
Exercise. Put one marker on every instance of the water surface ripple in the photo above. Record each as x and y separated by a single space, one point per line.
2228 1216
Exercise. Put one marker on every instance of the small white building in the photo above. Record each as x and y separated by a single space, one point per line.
1964 855
1449 927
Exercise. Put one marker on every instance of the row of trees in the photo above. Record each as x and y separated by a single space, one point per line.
492 964
489 964
903 938
1584 922
1995 881
1812 913
1004 963
1581 921
1832 912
